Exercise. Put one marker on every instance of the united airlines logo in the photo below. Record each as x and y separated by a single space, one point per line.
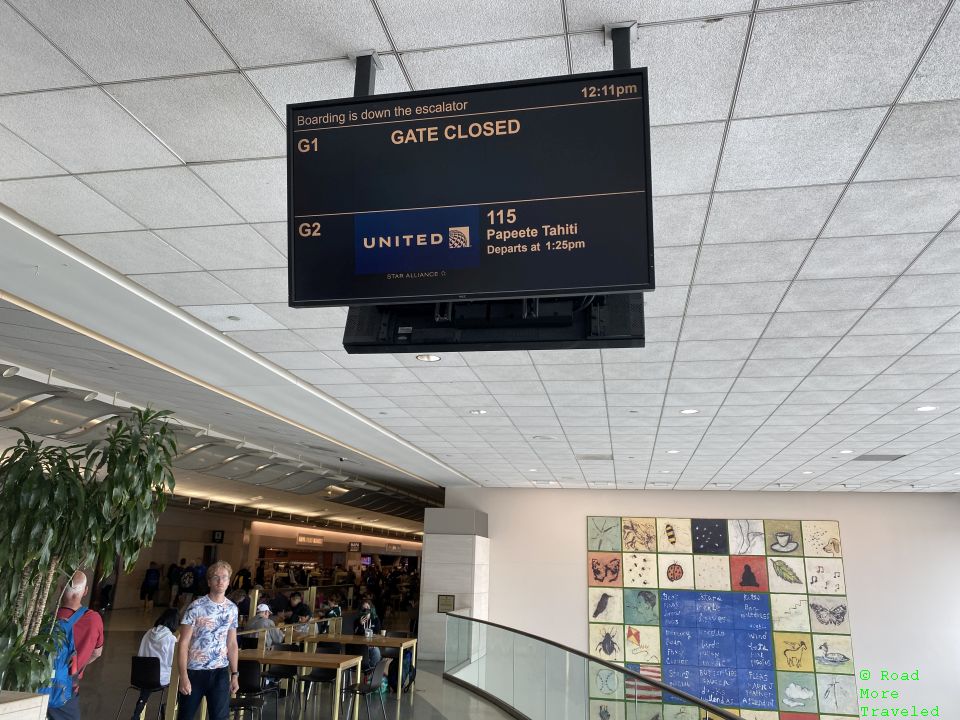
459 237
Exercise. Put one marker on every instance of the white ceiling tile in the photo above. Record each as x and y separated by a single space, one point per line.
792 367
897 381
133 252
846 294
459 22
847 257
708 369
258 286
64 205
301 360
701 385
726 327
938 76
757 297
918 141
674 265
560 372
920 291
163 197
793 347
565 357
766 384
131 39
257 189
28 61
661 329
499 357
811 324
750 262
875 345
791 150
939 344
513 372
684 157
638 371
675 54
234 317
293 31
795 51
20 160
895 206
853 365
912 320
290 84
210 117
323 338
716 349
943 256
83 130
224 247
665 302
475 64
678 220
275 233
189 288
593 14
295 318
781 214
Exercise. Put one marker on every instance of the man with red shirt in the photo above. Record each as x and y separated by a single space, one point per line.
87 639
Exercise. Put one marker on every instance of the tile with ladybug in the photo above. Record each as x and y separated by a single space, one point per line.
603 533
640 570
639 534
604 569
606 641
673 535
675 571
605 604
748 573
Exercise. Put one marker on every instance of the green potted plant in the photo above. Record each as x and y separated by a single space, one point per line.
61 508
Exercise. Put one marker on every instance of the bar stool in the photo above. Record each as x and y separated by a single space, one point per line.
144 677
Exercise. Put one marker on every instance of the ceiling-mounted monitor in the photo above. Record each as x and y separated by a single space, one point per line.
525 189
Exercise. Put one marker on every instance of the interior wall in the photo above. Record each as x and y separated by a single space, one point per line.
899 558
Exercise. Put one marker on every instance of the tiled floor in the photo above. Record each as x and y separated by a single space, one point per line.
106 679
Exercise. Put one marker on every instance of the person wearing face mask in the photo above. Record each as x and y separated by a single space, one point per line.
367 620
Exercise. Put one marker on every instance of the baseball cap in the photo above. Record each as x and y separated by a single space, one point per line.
263 607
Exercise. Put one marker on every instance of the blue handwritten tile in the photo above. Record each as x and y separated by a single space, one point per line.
717 648
758 689
682 678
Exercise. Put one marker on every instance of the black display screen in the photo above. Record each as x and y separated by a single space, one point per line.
536 189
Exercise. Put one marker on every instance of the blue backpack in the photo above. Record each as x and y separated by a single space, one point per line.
61 689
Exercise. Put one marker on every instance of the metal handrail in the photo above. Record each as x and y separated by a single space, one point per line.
712 709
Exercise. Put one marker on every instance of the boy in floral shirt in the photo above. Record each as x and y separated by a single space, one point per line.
207 655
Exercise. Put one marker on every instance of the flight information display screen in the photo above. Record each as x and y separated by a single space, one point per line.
524 189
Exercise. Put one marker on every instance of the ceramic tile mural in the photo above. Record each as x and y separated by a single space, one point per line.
750 615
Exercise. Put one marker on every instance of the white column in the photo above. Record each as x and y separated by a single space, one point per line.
456 561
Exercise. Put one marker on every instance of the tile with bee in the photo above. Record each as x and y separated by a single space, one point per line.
748 614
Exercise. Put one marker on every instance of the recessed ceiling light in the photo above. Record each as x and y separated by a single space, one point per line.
722 484
807 472
661 484
666 471
10 371
92 395
784 484
428 358
926 408
532 470
235 318
689 411
672 452
478 412
846 452
850 486
544 437
919 487
957 473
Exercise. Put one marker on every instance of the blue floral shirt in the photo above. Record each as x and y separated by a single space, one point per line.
211 623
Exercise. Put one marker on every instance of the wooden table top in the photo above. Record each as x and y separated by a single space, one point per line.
330 661
376 640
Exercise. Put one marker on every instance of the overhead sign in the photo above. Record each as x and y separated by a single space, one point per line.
533 188
309 540
393 547
353 547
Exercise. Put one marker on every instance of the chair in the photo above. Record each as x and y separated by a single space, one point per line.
250 694
279 673
373 686
145 677
320 676
247 642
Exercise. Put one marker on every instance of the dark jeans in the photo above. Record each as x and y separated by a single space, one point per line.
70 711
144 698
211 684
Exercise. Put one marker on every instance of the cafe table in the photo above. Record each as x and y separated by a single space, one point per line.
380 641
328 661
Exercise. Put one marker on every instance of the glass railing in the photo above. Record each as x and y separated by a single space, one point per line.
539 679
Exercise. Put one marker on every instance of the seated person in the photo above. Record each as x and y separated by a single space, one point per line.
367 620
299 611
159 642
280 607
333 608
261 621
